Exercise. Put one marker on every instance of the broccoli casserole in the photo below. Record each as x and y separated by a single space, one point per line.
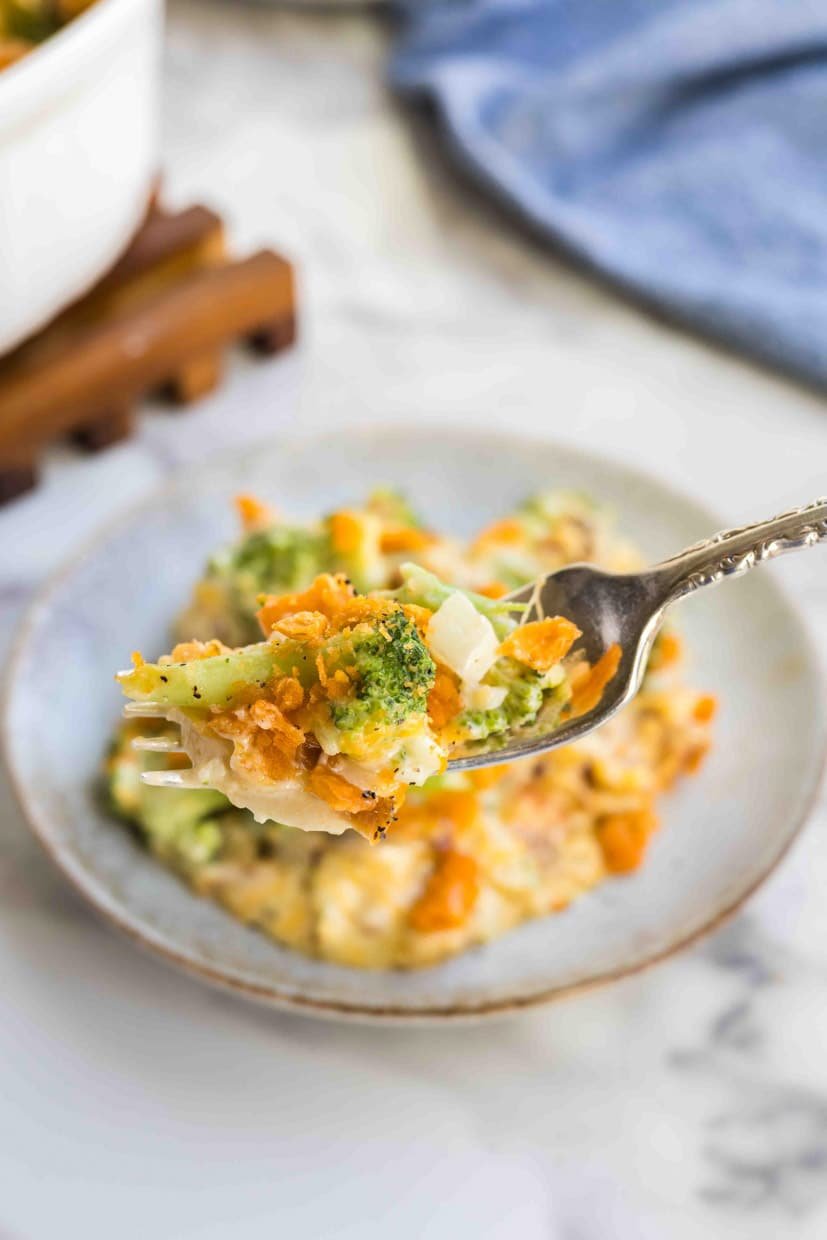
370 667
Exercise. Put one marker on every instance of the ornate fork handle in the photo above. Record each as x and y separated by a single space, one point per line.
733 552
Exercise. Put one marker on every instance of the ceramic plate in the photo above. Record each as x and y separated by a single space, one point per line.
723 831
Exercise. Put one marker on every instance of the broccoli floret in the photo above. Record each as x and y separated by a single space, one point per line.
478 725
271 561
284 557
182 825
281 560
394 674
520 706
525 690
528 692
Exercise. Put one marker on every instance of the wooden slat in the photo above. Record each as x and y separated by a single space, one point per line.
110 365
160 320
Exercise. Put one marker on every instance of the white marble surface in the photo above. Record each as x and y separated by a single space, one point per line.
690 1102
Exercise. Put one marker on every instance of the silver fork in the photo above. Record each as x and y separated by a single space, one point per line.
626 609
158 744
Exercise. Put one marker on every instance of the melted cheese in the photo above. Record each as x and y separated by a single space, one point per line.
286 802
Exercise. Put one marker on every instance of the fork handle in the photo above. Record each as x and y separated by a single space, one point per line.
734 552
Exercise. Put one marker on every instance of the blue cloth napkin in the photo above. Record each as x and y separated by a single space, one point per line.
678 146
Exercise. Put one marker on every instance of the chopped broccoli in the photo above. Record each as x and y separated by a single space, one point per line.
394 674
219 679
182 823
283 557
426 590
525 689
272 561
184 826
528 692
478 725
384 658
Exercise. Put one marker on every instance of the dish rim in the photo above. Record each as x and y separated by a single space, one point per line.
334 1009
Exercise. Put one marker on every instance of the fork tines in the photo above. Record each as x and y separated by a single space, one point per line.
157 744
145 710
170 779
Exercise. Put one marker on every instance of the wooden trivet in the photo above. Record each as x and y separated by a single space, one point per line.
158 321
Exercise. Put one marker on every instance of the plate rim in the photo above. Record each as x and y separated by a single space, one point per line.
270 995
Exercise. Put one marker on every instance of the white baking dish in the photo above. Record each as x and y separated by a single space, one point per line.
78 153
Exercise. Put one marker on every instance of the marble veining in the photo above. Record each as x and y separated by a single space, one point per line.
764 1148
689 1102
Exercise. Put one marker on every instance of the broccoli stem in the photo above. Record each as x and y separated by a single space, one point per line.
426 590
218 679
